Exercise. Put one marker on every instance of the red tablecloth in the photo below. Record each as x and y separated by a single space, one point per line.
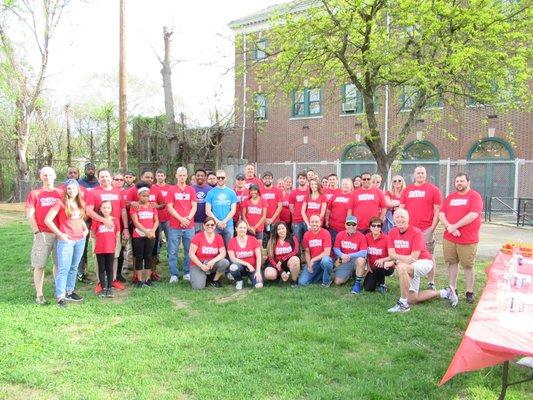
495 334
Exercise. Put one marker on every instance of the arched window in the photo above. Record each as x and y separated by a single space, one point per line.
423 153
357 152
421 150
356 159
491 149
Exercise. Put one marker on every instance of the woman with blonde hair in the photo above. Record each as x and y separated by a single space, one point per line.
392 196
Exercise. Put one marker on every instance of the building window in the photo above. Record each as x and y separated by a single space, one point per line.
260 106
352 100
420 153
408 97
260 50
420 150
491 149
435 102
306 103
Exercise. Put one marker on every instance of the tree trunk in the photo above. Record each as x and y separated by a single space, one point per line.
91 144
122 101
69 145
166 72
22 185
108 134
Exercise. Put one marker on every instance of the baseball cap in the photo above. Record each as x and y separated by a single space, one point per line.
240 177
268 173
351 218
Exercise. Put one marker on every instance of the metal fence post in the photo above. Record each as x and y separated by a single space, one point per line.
448 170
338 167
293 174
516 176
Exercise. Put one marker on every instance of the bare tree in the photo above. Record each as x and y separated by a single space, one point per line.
41 19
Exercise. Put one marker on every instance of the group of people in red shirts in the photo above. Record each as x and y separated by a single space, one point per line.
316 232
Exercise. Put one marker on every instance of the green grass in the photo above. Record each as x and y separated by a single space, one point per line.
170 342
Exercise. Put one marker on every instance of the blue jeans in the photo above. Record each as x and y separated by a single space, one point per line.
173 243
69 254
227 233
240 272
322 270
298 229
163 227
333 233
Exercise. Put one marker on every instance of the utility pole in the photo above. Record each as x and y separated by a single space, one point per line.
69 145
123 147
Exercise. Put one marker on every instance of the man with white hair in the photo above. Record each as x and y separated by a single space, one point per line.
38 203
181 206
407 249
422 200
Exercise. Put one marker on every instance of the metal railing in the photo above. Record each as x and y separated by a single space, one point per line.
519 209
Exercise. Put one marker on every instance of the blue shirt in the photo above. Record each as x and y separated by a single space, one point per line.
221 200
201 193
88 184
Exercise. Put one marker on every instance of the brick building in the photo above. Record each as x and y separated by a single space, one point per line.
320 126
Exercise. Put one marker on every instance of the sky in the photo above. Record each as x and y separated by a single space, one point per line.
86 43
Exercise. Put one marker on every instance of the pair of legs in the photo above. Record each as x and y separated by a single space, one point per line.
69 253
465 254
226 233
44 244
105 269
292 265
429 237
375 278
142 251
322 270
345 270
175 236
239 271
409 276
82 267
199 277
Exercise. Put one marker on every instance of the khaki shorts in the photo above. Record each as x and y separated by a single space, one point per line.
44 243
455 253
421 268
429 238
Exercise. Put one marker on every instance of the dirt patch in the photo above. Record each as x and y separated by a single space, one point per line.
237 296
15 392
78 333
179 304
8 217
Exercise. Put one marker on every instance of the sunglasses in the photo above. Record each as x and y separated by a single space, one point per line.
221 178
209 225
351 224
117 179
397 181
376 225
365 179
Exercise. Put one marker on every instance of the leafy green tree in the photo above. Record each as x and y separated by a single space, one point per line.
451 48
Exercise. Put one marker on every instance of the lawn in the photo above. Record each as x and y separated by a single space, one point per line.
169 342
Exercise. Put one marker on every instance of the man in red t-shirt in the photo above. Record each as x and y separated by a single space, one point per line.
296 201
38 203
422 200
461 216
339 207
273 197
332 187
250 178
368 202
162 213
317 246
350 247
408 250
242 194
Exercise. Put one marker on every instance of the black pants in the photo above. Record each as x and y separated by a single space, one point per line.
105 268
375 278
142 251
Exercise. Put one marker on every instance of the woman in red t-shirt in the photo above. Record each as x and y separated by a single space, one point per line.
244 252
207 255
283 261
254 211
377 250
392 197
285 214
315 204
145 222
71 232
105 243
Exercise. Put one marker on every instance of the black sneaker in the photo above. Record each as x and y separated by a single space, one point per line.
103 293
294 284
470 297
148 283
84 279
74 297
62 303
121 279
138 284
109 293
431 286
216 284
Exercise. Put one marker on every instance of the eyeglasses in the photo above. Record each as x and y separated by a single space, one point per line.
220 178
375 225
117 179
351 224
209 225
397 181
365 179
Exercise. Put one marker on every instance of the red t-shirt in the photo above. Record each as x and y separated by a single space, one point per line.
285 214
455 207
242 196
367 203
145 215
162 213
73 225
316 242
98 195
419 202
42 201
254 213
314 206
329 193
105 238
393 196
349 244
182 200
297 198
272 197
377 248
338 206
283 251
253 180
246 253
407 242
207 251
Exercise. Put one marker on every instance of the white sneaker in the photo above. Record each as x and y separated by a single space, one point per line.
238 285
452 296
187 277
173 279
399 307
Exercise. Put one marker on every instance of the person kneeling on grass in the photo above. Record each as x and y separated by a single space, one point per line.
377 249
350 248
317 246
208 257
283 261
145 223
245 255
407 249
105 248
